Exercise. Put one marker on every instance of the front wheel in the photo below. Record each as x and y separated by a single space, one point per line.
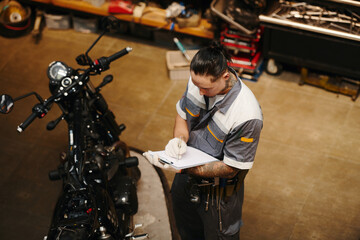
70 234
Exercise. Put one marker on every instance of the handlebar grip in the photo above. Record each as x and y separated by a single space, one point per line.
119 54
27 122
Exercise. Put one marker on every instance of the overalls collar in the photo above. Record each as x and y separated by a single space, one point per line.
225 104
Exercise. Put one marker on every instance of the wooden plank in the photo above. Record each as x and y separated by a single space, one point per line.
153 17
82 6
42 1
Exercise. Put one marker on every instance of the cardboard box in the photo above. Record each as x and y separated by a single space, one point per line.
178 65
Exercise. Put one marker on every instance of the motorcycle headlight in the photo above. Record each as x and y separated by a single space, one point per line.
57 71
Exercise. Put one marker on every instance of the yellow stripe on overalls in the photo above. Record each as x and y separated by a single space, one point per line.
214 134
248 140
192 113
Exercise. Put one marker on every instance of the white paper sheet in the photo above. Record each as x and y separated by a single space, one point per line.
191 158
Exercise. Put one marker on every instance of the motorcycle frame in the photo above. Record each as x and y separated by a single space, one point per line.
75 182
97 171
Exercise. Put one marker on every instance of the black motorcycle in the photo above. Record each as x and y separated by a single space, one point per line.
98 197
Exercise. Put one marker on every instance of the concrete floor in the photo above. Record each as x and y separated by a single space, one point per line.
305 182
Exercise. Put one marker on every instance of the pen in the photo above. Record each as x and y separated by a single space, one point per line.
165 162
182 49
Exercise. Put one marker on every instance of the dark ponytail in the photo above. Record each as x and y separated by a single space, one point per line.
212 60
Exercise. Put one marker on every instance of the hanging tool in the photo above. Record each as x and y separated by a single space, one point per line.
181 48
38 26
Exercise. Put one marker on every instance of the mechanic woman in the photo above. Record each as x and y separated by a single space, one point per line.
219 115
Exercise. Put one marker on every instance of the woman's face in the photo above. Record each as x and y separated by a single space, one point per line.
210 88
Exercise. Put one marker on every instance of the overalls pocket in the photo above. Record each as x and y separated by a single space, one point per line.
214 137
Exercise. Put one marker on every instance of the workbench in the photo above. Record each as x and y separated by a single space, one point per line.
314 47
152 16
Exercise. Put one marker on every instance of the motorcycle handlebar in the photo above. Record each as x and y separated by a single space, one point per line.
119 54
27 122
39 110
102 63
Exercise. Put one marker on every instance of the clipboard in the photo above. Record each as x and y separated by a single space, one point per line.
191 158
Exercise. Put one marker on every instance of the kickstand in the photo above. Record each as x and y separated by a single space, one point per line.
132 235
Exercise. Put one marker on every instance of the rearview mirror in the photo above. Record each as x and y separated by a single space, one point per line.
6 103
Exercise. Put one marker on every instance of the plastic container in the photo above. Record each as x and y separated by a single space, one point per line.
85 24
178 65
57 21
